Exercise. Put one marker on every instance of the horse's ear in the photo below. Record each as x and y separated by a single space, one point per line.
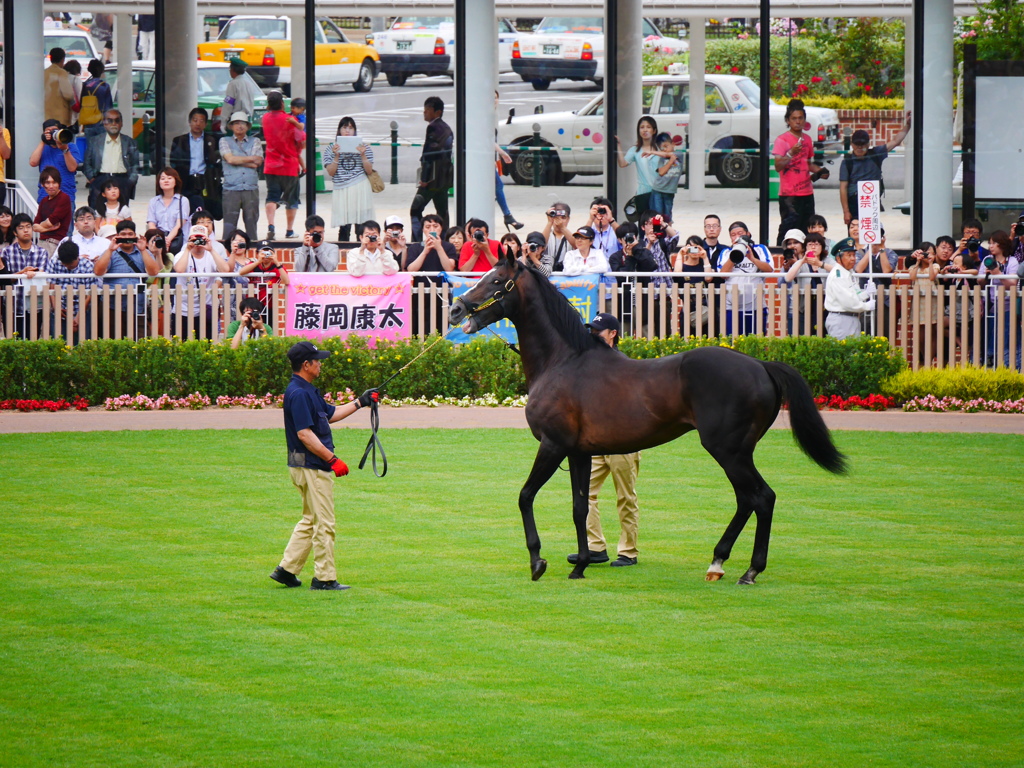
510 257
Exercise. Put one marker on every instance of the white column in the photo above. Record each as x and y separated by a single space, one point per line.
180 70
477 150
937 120
124 51
908 103
697 107
28 114
628 87
298 75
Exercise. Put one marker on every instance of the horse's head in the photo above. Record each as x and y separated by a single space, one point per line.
491 299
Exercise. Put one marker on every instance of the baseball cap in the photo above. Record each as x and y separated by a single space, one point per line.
794 234
846 244
392 221
306 350
587 232
605 322
107 230
860 136
537 239
198 229
264 246
239 117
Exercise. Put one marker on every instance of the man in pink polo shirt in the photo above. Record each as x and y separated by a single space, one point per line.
794 160
281 163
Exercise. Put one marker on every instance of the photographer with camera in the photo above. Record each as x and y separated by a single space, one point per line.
556 233
602 221
803 269
57 149
631 256
480 253
922 265
534 253
434 254
316 254
742 269
693 259
22 257
997 269
250 325
585 259
127 253
198 257
371 257
394 238
971 230
794 160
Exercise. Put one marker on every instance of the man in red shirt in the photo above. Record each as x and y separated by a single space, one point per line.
478 253
794 160
281 163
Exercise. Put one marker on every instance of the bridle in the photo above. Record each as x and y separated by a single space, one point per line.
497 297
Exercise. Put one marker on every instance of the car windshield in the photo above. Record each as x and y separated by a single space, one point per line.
75 46
255 29
420 22
751 91
578 25
213 81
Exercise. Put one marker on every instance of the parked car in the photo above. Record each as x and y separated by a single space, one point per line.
265 44
211 83
572 47
733 121
77 44
425 45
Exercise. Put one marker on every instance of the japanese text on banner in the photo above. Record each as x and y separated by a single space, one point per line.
377 307
868 209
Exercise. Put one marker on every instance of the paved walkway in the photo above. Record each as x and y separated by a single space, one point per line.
450 417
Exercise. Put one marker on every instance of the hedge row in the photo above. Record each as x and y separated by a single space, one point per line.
96 370
967 383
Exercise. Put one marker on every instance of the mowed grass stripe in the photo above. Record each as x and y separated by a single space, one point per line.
140 628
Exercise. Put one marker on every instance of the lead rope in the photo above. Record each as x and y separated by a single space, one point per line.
374 444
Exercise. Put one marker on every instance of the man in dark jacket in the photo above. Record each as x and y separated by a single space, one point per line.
196 158
112 155
436 170
631 256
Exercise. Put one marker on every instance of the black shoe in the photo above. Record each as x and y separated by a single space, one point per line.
511 223
623 561
281 576
595 557
331 585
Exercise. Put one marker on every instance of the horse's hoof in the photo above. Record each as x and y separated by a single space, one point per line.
713 576
748 577
575 575
538 568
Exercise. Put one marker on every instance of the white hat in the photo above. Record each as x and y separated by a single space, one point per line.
107 230
198 229
794 234
239 117
391 221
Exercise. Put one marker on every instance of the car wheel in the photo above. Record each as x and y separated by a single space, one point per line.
396 79
736 170
522 167
365 80
541 83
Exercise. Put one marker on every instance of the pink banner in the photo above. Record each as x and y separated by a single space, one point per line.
333 304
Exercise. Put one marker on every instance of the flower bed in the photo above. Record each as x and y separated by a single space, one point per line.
27 406
946 404
855 403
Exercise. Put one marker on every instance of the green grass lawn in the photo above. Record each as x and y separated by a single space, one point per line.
139 627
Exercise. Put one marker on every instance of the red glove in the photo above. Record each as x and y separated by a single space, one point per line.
339 467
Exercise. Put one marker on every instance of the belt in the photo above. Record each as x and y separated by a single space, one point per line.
847 314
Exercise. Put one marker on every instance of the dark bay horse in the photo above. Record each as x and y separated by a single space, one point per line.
589 399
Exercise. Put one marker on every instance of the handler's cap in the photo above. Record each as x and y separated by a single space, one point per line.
306 350
238 62
605 322
536 238
587 232
795 234
860 136
846 244
239 117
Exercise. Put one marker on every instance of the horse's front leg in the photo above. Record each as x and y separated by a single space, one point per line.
579 473
544 466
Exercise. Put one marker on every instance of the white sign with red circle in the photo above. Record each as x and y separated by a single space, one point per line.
868 212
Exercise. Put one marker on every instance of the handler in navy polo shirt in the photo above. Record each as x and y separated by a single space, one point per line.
311 460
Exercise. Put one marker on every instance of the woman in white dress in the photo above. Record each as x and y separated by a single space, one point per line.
352 201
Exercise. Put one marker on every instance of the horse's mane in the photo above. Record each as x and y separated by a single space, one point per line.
564 318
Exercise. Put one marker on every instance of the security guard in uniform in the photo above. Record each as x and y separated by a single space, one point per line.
311 460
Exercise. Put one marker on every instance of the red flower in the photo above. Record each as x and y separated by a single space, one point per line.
816 79
888 92
718 67
665 68
876 62
735 70
835 82
867 89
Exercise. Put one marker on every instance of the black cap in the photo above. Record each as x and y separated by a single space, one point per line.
860 136
605 322
537 239
846 244
587 232
306 350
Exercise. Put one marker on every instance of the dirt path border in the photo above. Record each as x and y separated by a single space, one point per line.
451 417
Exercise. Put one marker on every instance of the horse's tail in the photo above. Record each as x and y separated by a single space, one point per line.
808 427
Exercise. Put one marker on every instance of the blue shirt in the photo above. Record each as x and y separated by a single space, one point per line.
119 264
305 408
54 157
197 161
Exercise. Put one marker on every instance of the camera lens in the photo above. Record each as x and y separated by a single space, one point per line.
159 242
64 135
602 211
479 236
317 237
990 262
372 238
737 254
973 244
629 239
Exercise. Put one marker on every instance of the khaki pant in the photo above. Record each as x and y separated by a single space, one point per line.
316 528
623 470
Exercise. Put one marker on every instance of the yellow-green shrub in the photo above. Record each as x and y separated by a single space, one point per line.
965 383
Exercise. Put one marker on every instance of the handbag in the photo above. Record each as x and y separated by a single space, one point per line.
376 182
178 242
635 206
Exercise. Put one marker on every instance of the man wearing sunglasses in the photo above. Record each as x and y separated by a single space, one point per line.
112 155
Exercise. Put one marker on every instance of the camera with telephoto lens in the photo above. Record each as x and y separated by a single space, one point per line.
991 263
973 244
159 242
738 253
316 237
479 236
60 134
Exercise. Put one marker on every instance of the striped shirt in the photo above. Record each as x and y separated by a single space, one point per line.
85 276
350 166
16 259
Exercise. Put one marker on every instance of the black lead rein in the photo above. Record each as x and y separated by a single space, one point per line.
374 443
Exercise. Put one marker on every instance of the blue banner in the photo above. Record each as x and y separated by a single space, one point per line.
581 291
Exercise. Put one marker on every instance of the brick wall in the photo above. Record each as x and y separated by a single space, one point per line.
882 124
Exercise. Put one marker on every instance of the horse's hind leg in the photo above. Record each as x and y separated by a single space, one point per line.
544 466
579 472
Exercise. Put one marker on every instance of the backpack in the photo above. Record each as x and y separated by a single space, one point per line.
89 113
